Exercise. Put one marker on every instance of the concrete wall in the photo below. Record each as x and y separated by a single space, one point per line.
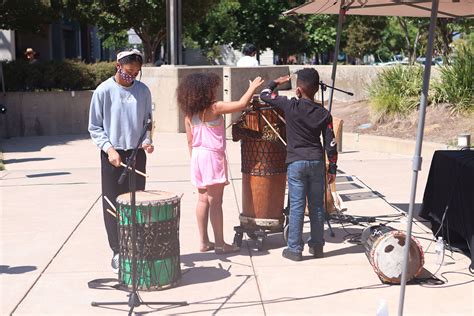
350 78
53 113
355 141
236 83
44 113
164 80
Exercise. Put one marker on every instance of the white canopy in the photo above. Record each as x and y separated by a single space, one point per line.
413 8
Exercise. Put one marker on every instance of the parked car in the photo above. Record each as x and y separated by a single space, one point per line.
434 61
395 60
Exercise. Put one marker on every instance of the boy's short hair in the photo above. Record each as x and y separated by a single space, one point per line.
308 81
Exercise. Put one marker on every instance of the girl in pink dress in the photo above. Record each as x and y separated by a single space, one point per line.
205 132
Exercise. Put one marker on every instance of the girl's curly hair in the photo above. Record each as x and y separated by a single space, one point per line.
197 92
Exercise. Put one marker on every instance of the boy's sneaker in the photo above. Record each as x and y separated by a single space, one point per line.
115 263
317 251
288 254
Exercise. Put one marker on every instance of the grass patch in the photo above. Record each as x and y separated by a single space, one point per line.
396 92
456 84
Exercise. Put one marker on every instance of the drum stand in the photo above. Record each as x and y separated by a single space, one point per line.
134 299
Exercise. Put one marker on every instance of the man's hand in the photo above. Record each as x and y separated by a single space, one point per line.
149 148
282 79
114 157
331 178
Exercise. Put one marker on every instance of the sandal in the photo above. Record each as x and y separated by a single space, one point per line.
208 247
226 249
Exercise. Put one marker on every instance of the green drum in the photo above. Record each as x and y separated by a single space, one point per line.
157 242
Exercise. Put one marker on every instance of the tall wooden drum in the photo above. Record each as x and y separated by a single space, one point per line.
263 167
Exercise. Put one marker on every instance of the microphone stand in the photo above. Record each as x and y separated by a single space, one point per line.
134 299
326 214
325 86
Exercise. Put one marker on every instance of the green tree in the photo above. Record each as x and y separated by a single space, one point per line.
321 30
364 35
393 41
146 17
252 21
261 23
219 26
446 29
413 28
30 17
293 38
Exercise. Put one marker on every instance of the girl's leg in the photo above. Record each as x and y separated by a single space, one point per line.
214 197
214 194
202 216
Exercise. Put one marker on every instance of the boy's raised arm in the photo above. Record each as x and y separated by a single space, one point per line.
269 97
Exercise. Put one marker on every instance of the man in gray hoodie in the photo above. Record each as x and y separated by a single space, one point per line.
120 107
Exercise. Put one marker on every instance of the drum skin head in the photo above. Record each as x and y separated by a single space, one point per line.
149 197
387 257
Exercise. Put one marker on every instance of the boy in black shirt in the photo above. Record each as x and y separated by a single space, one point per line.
305 121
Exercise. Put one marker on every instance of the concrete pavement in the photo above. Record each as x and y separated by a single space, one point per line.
53 242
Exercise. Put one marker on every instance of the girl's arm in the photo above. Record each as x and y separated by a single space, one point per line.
189 134
222 107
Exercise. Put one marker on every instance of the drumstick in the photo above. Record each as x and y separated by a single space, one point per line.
279 116
111 213
137 171
110 203
114 212
274 130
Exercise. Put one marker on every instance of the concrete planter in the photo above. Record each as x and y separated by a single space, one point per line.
67 112
45 113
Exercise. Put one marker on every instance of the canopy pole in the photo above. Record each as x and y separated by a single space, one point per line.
340 21
417 159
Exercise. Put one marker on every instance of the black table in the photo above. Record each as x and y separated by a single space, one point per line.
450 189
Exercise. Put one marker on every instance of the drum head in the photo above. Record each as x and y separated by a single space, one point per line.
154 197
388 257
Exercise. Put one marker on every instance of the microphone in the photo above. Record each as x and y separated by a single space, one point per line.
149 123
122 176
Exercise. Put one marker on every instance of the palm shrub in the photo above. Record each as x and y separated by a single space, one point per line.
456 82
396 91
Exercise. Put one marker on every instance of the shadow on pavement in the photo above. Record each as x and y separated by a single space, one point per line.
36 143
47 174
416 210
188 260
5 269
202 275
404 207
10 161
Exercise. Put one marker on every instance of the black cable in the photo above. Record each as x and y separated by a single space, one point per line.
445 281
